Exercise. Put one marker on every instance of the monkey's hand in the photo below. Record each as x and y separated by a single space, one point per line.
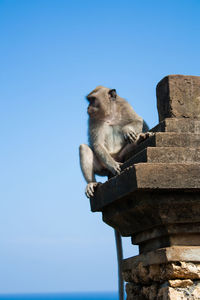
115 169
90 188
129 134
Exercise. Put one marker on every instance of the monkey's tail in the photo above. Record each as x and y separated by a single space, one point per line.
119 249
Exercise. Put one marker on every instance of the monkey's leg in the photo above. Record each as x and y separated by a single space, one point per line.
89 166
122 156
126 151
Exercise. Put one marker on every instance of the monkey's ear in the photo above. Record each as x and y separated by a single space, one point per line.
113 93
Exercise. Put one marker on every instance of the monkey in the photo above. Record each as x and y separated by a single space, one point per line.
114 130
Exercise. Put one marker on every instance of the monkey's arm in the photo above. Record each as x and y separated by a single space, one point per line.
89 166
133 123
132 129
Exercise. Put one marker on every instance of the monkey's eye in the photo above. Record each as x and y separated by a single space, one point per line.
91 99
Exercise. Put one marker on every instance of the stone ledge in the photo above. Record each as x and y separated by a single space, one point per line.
178 125
173 155
152 212
183 229
163 256
147 176
164 155
165 139
168 139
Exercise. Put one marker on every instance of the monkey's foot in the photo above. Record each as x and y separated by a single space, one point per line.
115 169
143 136
90 188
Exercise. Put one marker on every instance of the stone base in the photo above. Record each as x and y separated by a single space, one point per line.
167 273
185 289
162 272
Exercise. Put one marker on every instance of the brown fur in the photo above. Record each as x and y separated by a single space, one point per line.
114 128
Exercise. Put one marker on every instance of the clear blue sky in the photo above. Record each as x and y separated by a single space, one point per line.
52 53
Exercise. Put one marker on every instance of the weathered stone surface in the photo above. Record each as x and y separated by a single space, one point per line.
168 240
196 292
182 234
191 292
178 126
164 256
165 176
173 155
165 155
152 212
133 292
180 283
162 292
169 229
162 272
147 176
178 96
138 292
168 293
166 139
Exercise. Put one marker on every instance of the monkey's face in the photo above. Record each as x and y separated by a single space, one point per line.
100 103
94 106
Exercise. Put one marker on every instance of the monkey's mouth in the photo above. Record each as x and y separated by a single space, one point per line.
91 110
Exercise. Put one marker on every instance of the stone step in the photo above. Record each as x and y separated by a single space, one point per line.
165 155
147 177
178 125
173 155
166 139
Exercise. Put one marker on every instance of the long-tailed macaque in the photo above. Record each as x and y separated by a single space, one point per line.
114 129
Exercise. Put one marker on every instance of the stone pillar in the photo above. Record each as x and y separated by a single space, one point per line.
156 199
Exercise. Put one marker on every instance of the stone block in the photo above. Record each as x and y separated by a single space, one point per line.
174 231
176 260
180 283
178 126
168 293
172 155
178 96
166 139
146 176
176 140
164 155
162 292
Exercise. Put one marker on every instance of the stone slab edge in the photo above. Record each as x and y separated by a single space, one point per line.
164 255
147 176
177 125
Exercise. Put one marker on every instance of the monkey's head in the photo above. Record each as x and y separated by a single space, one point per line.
99 102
